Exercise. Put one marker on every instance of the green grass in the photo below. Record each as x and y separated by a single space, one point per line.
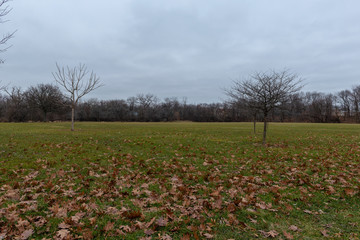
183 180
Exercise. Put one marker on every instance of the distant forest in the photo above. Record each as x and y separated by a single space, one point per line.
45 102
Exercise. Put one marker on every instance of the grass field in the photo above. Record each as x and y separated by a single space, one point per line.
179 181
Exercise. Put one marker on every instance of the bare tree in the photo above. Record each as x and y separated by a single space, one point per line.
264 91
74 82
344 98
355 97
16 105
45 97
4 10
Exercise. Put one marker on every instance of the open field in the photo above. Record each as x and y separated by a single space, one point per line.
179 181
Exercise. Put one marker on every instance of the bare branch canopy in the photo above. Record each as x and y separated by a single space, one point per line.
4 10
75 84
264 91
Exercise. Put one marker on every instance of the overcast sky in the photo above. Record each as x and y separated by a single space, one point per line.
183 48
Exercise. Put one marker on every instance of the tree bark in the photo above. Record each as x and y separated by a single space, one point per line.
255 124
265 131
73 118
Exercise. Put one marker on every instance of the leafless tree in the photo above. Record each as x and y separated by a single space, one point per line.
4 10
75 84
16 105
355 98
45 97
344 98
264 91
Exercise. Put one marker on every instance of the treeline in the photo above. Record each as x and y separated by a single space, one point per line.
45 102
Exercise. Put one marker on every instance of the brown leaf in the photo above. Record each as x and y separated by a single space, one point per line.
63 226
185 237
26 234
12 195
288 235
166 237
149 232
162 222
62 213
308 212
294 228
62 234
218 203
126 228
150 223
22 224
77 217
109 226
271 233
331 189
208 235
92 220
231 207
350 192
40 221
324 233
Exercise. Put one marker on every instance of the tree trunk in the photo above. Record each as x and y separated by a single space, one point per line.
254 123
73 118
265 131
254 126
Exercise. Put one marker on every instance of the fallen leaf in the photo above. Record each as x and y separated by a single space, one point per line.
26 234
218 203
109 226
288 235
161 222
350 192
324 233
12 195
308 212
294 228
63 226
166 237
149 232
331 189
62 234
208 235
273 233
231 207
185 237
92 220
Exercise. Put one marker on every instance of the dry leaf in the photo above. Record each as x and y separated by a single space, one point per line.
288 235
324 233
149 232
166 237
218 203
26 234
62 234
63 226
185 237
271 233
331 189
208 235
294 228
350 192
109 226
308 212
231 207
161 222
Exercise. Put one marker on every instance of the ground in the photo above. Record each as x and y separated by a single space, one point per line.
179 181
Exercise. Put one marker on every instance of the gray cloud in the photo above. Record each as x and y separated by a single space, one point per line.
184 48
